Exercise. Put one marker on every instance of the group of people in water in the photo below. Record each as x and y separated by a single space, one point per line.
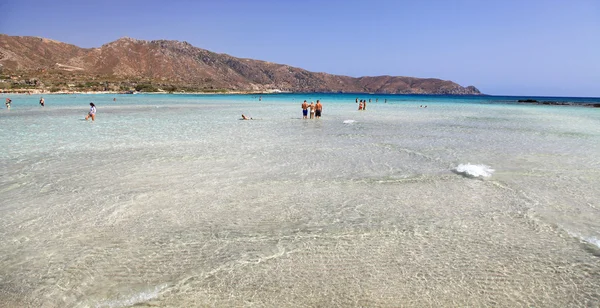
91 114
8 102
362 104
312 108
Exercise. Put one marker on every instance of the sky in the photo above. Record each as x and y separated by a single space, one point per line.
506 47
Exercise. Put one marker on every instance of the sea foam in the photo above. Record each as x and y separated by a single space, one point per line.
349 121
588 239
474 171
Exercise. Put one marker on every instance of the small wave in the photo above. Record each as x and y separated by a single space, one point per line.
474 171
592 240
587 239
134 299
349 121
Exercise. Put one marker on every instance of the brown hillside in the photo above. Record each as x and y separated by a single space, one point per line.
179 64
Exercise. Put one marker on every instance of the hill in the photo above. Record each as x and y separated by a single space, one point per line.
162 65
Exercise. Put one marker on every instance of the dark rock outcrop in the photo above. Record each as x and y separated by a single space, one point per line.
555 103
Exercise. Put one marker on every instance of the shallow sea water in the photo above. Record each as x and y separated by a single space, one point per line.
172 201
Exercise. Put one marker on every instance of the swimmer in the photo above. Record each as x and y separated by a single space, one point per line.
42 102
244 117
8 102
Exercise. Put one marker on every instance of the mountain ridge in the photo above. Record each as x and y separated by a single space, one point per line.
127 63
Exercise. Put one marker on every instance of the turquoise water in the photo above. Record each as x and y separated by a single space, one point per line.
171 200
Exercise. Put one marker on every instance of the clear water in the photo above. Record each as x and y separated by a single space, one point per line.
171 200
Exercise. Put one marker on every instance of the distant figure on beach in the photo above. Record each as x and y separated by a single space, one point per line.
311 108
114 99
319 108
305 110
244 117
369 100
260 98
92 113
8 101
386 100
357 100
360 106
365 104
42 102
376 100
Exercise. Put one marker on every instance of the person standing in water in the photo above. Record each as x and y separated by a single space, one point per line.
312 110
42 102
319 108
92 113
8 101
305 110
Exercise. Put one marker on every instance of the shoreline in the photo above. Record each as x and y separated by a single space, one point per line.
37 92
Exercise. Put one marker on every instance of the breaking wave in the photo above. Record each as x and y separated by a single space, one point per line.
474 171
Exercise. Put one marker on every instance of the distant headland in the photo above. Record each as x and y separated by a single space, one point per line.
39 65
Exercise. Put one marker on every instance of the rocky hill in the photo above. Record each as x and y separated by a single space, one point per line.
174 66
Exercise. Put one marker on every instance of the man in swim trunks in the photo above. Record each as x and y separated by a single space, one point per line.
42 102
8 101
304 110
319 108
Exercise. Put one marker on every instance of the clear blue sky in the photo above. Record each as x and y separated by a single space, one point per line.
513 47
